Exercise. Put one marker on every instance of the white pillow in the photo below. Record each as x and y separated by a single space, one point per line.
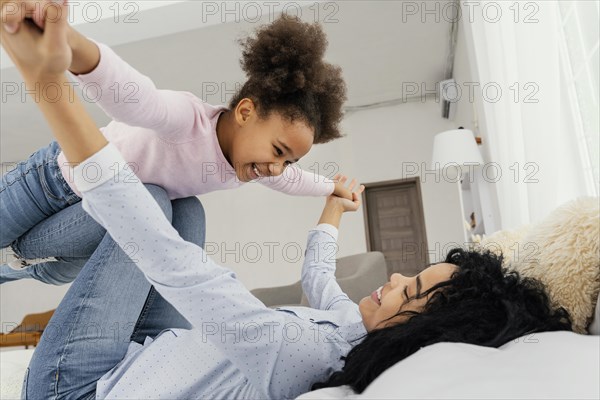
332 393
549 365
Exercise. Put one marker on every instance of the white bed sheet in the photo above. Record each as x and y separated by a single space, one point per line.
13 364
550 365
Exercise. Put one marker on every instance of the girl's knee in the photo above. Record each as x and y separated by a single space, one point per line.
162 198
190 207
189 220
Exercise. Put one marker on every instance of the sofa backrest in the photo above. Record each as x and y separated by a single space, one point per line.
358 275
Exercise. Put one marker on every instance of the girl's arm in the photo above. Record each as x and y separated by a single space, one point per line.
298 182
86 55
128 96
121 91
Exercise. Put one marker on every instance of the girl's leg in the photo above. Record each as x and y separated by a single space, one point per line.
158 314
34 190
53 273
71 236
90 330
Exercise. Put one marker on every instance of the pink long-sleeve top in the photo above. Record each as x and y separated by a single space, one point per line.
169 138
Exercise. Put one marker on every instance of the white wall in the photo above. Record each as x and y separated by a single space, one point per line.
16 303
25 297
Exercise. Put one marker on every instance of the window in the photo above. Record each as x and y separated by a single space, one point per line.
580 37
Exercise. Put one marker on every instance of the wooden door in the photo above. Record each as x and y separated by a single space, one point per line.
395 224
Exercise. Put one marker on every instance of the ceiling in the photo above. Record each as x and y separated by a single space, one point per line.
379 46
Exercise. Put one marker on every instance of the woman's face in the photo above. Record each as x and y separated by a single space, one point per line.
401 294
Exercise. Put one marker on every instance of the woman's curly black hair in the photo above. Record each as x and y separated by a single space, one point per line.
287 74
481 304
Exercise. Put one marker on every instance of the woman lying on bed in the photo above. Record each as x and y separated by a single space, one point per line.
236 347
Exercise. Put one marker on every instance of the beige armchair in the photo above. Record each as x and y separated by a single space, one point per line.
357 275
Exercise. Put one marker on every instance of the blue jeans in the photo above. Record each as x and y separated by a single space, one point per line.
33 191
109 304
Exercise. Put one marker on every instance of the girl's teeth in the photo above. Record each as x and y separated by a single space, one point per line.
379 293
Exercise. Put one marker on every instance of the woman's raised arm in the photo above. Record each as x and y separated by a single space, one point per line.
318 271
208 295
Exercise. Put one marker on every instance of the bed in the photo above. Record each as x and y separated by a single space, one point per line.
550 365
13 364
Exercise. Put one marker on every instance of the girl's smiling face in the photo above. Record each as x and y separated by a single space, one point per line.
263 147
402 293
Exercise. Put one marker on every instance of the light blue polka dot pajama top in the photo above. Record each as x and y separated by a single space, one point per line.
238 348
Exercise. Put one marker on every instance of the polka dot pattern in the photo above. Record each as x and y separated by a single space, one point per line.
238 348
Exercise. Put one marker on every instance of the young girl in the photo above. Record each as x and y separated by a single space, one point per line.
237 347
291 100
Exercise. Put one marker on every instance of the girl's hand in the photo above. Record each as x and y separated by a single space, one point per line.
352 203
14 13
335 206
37 54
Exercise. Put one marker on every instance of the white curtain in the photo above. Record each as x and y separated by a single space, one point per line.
527 130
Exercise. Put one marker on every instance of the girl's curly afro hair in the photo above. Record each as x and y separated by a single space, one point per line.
287 74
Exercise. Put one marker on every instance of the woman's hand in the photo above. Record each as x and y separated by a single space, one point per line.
335 206
39 55
14 13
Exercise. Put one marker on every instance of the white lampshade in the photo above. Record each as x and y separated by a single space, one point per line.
457 146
